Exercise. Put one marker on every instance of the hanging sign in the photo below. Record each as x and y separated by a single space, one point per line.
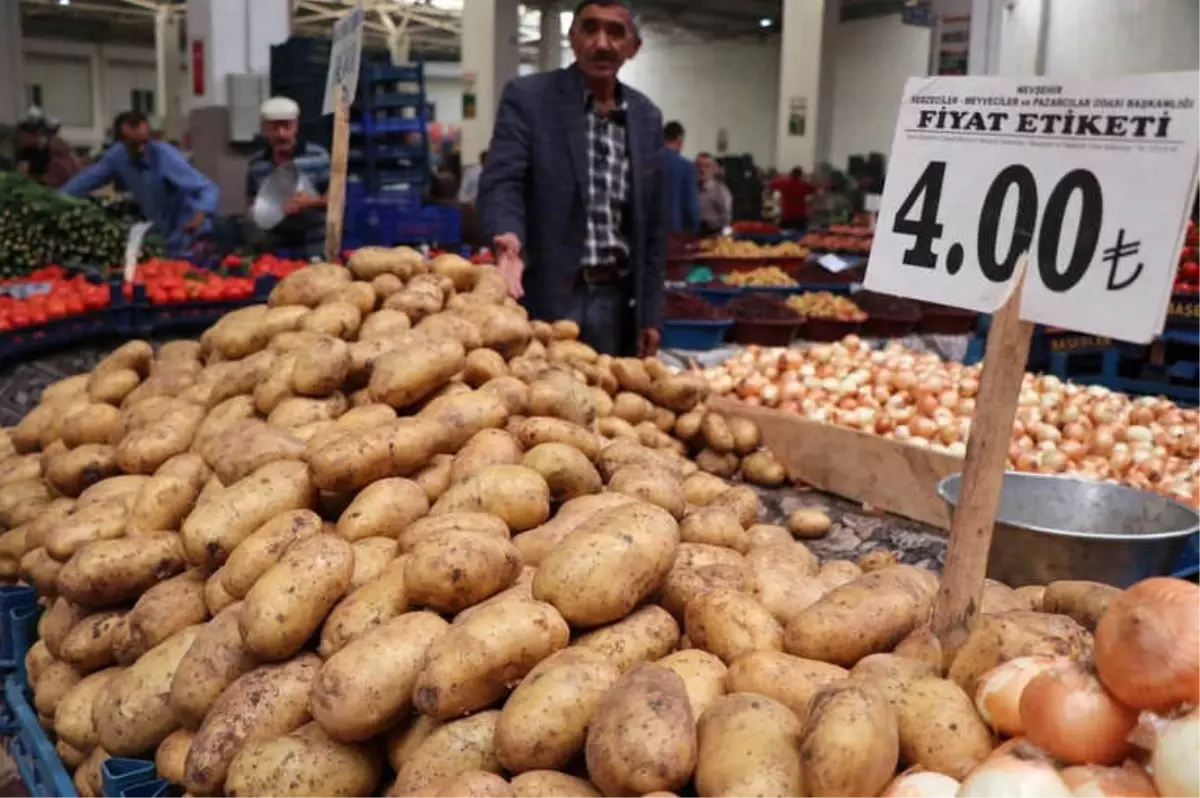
1092 179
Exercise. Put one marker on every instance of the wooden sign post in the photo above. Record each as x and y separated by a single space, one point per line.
341 84
999 202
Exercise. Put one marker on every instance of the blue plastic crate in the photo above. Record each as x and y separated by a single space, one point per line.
436 224
694 335
717 296
119 774
13 600
40 767
1188 564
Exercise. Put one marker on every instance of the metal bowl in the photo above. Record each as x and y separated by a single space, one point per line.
1052 527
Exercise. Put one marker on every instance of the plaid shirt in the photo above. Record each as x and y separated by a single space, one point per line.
606 243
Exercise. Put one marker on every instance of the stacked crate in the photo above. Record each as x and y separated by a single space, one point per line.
298 70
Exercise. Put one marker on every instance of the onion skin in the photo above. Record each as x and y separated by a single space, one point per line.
998 696
1095 781
1069 714
1147 645
1022 772
917 782
1173 762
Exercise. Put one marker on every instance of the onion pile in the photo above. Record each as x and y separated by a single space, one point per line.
917 398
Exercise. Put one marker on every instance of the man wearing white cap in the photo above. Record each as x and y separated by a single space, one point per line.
302 232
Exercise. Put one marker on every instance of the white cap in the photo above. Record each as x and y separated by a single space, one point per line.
280 109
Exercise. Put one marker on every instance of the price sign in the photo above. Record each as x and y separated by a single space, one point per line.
1088 180
344 58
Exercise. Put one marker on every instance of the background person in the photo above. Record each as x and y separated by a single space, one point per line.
572 189
680 187
794 191
168 190
716 203
42 154
302 231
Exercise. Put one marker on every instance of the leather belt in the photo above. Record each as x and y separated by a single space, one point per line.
603 274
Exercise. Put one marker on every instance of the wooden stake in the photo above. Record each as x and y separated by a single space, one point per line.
983 473
335 205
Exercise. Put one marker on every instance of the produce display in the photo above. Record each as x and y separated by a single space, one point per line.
763 307
1187 277
686 306
842 238
762 276
826 305
385 535
724 247
39 226
922 400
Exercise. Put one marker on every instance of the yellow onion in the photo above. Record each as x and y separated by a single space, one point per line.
1020 772
1173 762
1147 645
1095 781
917 782
998 696
1068 713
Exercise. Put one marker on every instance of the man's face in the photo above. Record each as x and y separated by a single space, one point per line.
602 38
706 167
27 139
136 137
281 133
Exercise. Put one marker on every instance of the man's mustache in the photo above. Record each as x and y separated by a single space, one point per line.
603 56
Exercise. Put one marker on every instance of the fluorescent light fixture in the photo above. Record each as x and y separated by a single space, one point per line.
64 2
765 22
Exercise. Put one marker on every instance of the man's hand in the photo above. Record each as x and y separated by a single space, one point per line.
195 223
509 263
648 342
299 203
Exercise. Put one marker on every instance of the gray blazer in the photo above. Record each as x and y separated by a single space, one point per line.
534 185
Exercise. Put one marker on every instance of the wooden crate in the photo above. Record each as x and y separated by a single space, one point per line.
883 473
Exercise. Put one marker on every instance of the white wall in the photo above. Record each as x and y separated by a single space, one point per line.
871 59
709 85
85 85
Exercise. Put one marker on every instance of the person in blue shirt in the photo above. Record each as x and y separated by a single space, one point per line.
681 188
171 194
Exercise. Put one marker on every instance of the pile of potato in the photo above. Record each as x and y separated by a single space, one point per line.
386 534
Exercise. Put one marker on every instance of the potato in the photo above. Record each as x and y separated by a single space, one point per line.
486 448
536 543
453 748
882 607
384 324
168 496
544 722
1082 601
367 686
58 621
680 392
419 367
938 725
567 471
462 415
792 681
110 386
321 369
809 522
995 639
701 488
289 602
55 681
263 547
551 784
170 758
222 417
558 395
878 559
338 319
143 450
471 666
836 573
482 365
851 746
650 485
99 521
214 661
309 286
731 624
371 558
367 263
784 579
165 609
646 635
297 411
742 500
304 762
88 646
715 526
642 736
703 675
531 432
71 757
41 570
748 744
36 660
215 528
356 457
133 712
267 701
18 468
87 778
607 566
767 535
517 495
92 423
684 583
509 390
359 294
884 669
716 433
73 714
110 572
1031 596
762 468
451 571
431 526
475 784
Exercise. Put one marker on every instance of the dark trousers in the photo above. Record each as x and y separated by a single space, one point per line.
604 316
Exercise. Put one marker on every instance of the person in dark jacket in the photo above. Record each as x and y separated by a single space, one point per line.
572 190
680 184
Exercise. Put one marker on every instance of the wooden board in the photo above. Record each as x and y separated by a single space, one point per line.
881 472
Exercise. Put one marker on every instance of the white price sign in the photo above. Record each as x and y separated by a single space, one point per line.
1091 180
344 57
